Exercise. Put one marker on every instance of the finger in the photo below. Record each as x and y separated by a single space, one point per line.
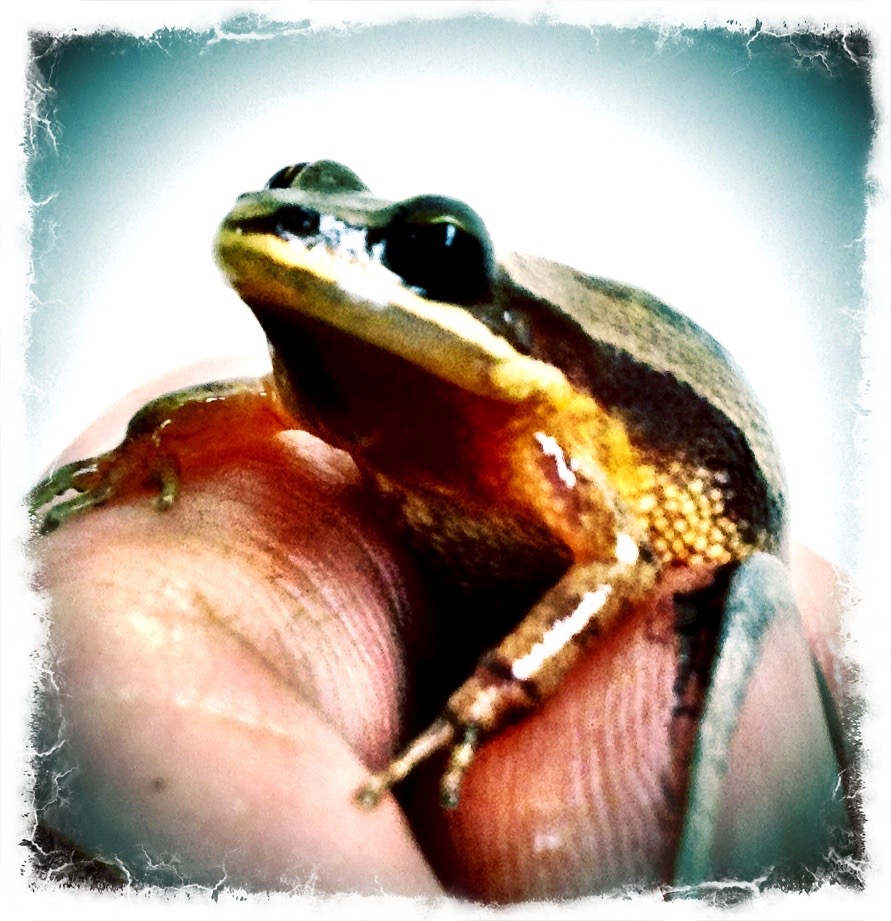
585 795
589 793
761 795
223 670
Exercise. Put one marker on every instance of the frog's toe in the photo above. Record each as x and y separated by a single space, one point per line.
48 508
459 760
97 480
165 475
66 478
61 511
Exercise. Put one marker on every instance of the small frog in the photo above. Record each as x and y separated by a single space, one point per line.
533 432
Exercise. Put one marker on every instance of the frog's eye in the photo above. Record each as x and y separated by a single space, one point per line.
317 176
286 176
441 248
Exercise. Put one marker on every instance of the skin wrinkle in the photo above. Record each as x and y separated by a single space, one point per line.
506 857
537 815
316 658
640 717
652 791
616 766
545 872
388 579
569 838
389 634
346 682
213 711
331 587
197 703
196 599
631 702
113 584
616 762
235 630
508 860
343 665
371 642
598 815
577 718
619 764
665 780
317 578
372 645
635 838
245 557
611 837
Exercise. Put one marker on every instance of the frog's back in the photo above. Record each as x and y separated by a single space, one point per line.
683 399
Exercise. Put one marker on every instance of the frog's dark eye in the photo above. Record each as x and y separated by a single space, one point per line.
286 176
324 176
441 248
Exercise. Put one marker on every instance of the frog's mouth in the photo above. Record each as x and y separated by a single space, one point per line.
278 251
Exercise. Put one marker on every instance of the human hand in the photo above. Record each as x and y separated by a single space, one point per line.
230 669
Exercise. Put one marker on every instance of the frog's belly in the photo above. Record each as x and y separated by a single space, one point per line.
478 549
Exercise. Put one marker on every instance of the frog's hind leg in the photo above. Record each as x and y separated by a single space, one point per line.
150 455
522 671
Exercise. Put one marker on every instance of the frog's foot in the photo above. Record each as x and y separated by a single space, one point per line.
96 480
159 437
438 735
484 703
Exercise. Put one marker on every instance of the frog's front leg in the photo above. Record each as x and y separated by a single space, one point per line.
526 667
160 438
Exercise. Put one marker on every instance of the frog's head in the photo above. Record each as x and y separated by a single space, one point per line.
417 279
389 317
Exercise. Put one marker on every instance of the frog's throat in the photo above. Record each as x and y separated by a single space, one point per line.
363 298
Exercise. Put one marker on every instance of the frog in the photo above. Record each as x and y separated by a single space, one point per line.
532 432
